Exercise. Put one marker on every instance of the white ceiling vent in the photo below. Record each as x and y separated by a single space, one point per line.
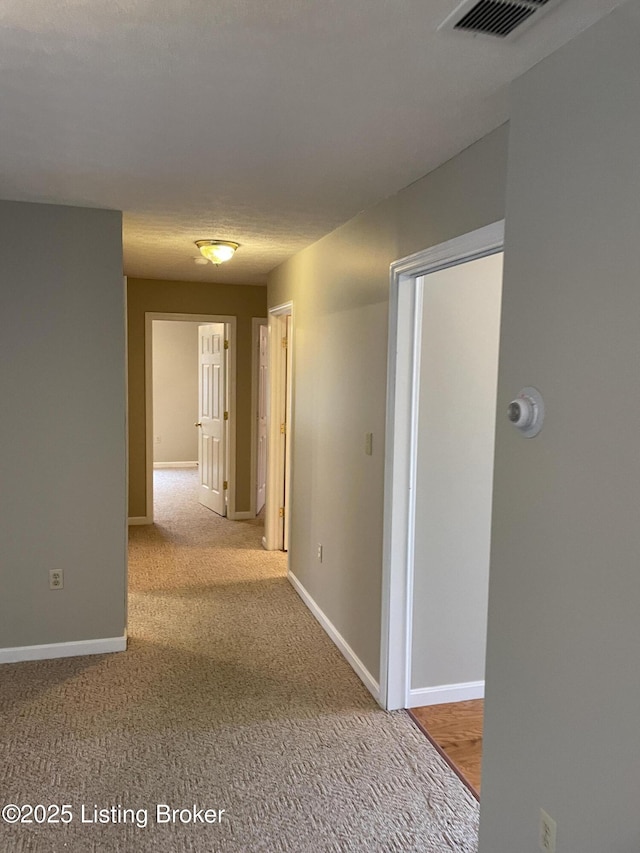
498 18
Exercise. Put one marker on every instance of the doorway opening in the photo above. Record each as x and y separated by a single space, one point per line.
441 403
279 425
259 436
213 426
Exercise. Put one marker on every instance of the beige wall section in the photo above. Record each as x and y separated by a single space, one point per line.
175 391
182 297
62 433
561 723
456 428
340 289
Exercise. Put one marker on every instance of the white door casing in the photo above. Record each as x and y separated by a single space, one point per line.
212 417
261 417
403 377
286 449
231 326
280 406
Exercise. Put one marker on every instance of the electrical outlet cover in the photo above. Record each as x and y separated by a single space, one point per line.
56 579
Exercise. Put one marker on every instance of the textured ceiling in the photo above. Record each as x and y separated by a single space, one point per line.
268 122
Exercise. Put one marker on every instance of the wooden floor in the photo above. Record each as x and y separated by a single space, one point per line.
456 731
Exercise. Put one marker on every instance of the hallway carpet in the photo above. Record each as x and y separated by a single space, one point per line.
231 697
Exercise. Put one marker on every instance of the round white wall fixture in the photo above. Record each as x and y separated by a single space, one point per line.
526 412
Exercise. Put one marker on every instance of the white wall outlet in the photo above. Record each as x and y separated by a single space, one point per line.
547 832
56 579
158 439
368 443
319 553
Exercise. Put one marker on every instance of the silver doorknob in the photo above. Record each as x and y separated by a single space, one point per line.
198 424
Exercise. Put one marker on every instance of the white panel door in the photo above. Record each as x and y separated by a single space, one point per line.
261 478
211 417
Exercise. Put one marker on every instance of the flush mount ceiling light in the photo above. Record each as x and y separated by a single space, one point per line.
217 251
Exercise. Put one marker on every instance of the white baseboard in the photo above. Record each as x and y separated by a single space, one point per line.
140 519
445 693
175 464
64 650
360 669
240 516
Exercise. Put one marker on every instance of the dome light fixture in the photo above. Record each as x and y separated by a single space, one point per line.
217 251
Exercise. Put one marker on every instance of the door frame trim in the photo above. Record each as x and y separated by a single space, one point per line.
230 448
403 377
256 323
277 390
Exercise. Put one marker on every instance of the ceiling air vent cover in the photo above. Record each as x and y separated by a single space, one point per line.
498 18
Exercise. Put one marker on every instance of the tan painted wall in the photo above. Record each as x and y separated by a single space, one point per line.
175 391
562 687
456 429
62 428
340 290
182 297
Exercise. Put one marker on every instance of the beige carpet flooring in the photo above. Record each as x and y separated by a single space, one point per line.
230 696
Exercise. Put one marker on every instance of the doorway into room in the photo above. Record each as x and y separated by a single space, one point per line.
259 438
281 330
443 357
190 404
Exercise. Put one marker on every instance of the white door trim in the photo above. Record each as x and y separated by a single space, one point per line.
126 450
403 374
230 453
277 464
256 322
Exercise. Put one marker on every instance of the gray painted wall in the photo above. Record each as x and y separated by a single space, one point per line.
563 690
456 428
175 391
340 288
62 430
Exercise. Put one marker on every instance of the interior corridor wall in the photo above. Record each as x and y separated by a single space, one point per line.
175 391
340 290
561 722
62 431
456 433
